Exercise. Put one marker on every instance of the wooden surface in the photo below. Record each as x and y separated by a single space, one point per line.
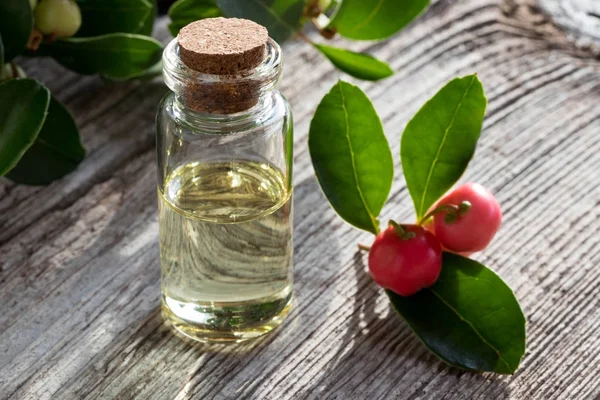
79 273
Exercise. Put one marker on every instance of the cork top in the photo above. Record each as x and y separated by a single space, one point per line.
222 46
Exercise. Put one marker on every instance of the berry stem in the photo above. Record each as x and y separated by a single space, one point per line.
453 210
364 247
401 230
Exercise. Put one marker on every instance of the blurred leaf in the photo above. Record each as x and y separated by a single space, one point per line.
440 140
1 53
470 318
280 17
183 12
351 156
375 19
361 66
23 106
116 55
146 75
16 22
56 151
148 24
109 16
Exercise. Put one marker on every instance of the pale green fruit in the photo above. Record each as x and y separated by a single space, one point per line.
61 18
33 3
324 4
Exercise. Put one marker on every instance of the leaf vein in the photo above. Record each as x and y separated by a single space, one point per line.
370 16
352 158
439 151
56 149
472 327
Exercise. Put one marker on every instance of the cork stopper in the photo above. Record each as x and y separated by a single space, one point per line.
222 46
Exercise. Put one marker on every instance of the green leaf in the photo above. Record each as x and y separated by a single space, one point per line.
351 156
469 318
16 23
375 19
109 16
183 12
440 140
23 105
146 75
148 24
361 66
280 17
116 55
56 151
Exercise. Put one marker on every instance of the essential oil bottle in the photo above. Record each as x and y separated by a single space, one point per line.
224 142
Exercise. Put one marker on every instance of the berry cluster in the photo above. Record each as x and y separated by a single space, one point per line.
408 258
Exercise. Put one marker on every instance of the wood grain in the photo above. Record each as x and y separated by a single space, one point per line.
79 274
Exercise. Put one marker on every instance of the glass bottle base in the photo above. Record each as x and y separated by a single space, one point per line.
214 322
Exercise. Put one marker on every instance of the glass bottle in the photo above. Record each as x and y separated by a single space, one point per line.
224 147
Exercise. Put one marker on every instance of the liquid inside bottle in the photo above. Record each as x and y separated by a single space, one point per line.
226 249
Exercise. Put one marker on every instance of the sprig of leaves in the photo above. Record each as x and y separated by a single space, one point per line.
354 19
470 318
39 140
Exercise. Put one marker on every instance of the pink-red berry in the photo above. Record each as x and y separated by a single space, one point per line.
472 230
405 259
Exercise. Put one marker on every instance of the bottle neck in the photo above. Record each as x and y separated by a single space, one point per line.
222 97
207 122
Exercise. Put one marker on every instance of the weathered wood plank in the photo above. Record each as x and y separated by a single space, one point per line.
79 276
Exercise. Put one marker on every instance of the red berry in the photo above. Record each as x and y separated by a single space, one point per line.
429 227
405 262
473 230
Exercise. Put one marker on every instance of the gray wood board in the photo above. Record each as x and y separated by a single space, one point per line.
79 268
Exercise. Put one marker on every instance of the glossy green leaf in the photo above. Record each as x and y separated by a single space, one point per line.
56 151
109 16
361 66
351 156
375 19
116 55
148 74
16 22
440 140
470 318
183 12
280 17
23 106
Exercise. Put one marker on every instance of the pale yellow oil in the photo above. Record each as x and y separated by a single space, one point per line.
225 249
